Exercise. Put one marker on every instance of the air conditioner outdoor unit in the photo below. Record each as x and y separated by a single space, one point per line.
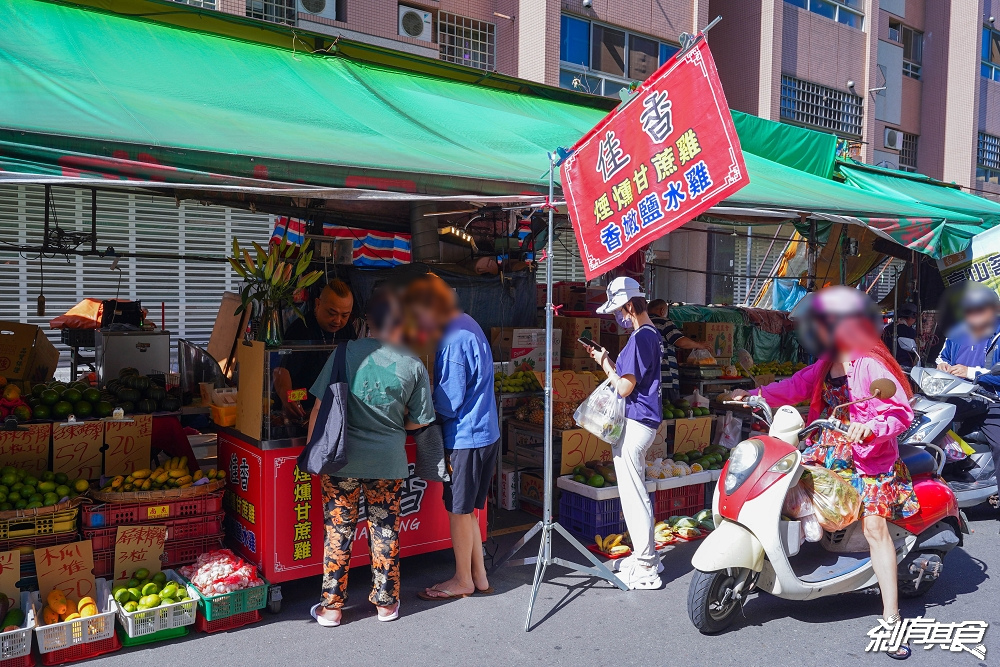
893 139
325 8
416 23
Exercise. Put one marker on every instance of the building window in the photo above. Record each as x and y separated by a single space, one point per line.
602 60
467 41
988 158
274 11
848 12
912 42
820 107
990 67
908 153
207 4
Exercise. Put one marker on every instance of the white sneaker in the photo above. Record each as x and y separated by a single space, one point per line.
627 563
640 577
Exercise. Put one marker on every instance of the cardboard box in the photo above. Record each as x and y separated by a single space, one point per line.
718 334
25 353
508 487
572 295
613 343
596 296
524 347
579 365
573 328
609 325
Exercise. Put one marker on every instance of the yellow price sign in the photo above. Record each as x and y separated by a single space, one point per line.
297 395
158 512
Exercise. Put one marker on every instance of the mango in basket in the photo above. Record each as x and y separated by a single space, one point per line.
49 616
56 601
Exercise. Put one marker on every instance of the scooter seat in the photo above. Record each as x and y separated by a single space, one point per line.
918 460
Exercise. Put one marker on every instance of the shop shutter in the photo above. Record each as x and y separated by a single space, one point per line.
190 289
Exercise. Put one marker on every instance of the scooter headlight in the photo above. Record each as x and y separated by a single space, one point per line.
742 462
935 385
785 464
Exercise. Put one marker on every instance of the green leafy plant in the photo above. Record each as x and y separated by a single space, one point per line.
273 275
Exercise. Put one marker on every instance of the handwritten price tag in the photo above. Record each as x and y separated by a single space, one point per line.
138 547
76 449
67 567
10 573
580 446
28 450
128 445
659 448
568 386
691 434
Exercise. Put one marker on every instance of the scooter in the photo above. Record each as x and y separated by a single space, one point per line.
932 419
754 548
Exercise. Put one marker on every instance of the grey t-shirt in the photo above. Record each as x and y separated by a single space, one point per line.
384 382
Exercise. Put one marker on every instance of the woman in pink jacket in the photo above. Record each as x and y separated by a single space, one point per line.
868 454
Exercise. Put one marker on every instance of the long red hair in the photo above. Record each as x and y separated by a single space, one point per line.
858 336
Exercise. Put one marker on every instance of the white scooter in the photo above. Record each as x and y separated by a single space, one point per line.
754 548
931 423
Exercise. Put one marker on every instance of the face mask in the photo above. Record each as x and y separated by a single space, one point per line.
623 322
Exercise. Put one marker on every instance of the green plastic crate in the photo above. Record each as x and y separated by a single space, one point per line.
161 635
217 607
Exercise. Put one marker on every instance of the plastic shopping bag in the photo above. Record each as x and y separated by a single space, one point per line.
603 413
836 502
799 506
731 431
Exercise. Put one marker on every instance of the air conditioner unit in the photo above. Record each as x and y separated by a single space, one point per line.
416 23
893 139
325 8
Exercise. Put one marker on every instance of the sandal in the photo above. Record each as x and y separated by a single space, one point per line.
447 595
485 591
388 617
903 652
325 622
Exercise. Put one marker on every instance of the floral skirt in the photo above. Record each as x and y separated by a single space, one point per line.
888 495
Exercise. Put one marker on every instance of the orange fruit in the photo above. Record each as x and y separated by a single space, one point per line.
49 616
57 602
70 606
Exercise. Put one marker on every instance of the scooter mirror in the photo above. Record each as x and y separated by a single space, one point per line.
882 388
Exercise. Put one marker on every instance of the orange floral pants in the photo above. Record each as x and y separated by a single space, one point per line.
343 497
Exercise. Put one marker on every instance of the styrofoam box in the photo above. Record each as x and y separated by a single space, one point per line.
687 480
566 483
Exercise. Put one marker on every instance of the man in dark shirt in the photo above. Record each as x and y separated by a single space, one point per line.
327 323
904 348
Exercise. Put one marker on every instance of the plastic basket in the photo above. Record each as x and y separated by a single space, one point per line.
83 651
24 661
186 552
122 514
150 621
104 563
70 634
185 528
584 517
17 643
679 501
162 635
228 623
44 524
217 607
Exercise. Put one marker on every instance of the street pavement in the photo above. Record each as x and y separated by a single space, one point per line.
581 621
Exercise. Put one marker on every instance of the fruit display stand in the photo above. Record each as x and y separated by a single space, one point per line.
74 636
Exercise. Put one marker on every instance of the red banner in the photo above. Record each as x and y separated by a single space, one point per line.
664 158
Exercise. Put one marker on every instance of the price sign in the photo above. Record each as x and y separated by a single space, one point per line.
691 434
659 449
76 449
580 446
158 512
138 547
28 450
569 386
67 567
296 395
10 573
128 445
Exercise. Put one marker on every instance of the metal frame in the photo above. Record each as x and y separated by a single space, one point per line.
460 35
816 105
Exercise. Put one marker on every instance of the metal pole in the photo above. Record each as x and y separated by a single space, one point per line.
760 268
811 256
746 281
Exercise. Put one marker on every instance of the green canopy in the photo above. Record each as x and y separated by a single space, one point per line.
796 147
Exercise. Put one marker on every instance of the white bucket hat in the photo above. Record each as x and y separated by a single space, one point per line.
620 292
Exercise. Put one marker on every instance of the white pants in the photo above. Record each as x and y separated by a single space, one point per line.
630 467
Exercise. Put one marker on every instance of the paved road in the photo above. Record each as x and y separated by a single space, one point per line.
583 622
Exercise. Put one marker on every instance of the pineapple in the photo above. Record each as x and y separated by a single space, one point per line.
537 416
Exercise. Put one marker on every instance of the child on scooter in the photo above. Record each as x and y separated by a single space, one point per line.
840 324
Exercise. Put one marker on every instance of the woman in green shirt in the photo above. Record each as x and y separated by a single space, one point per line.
389 393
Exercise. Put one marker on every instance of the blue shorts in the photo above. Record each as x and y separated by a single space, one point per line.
471 472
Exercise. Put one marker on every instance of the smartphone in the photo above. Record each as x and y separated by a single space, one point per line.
587 342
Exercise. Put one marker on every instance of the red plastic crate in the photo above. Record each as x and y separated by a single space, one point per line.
679 501
104 563
186 552
23 661
123 514
177 529
227 623
84 651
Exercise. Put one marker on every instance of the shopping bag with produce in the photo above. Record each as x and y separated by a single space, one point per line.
603 413
837 504
799 506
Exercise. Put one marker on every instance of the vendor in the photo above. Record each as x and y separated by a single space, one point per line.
670 384
330 321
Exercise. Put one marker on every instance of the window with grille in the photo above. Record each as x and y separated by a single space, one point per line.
207 4
988 158
990 67
190 289
848 12
912 42
821 107
467 41
908 153
274 11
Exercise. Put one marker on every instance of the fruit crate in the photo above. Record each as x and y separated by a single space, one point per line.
60 637
24 661
83 651
177 529
585 517
186 552
122 514
104 563
218 607
44 524
27 546
150 621
678 501
16 644
162 635
228 623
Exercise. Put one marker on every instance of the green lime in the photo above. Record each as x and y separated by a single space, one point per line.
42 411
60 478
62 490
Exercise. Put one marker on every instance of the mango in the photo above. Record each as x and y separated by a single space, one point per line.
56 601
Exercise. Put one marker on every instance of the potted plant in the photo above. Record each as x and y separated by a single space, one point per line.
271 279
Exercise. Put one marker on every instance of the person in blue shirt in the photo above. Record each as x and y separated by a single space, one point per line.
970 351
467 411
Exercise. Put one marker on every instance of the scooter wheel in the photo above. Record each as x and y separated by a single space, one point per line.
712 606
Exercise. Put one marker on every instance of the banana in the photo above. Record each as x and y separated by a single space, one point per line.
599 542
141 474
185 480
176 473
614 543
182 463
620 549
146 484
198 475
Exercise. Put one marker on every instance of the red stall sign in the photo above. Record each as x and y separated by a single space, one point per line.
664 158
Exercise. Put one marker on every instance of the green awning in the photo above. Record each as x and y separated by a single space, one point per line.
797 147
